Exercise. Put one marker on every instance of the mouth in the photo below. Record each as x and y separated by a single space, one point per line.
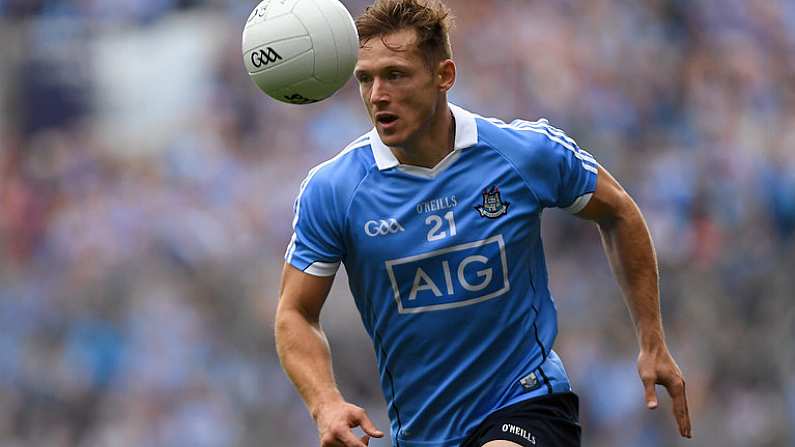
386 119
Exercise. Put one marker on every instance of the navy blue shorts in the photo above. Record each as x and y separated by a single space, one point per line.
551 420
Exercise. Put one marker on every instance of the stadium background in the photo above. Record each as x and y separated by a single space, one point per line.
146 190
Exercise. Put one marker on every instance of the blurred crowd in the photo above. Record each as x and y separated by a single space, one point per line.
145 203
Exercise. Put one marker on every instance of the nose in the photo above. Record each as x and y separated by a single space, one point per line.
378 92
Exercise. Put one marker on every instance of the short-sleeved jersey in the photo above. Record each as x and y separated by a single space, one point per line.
446 266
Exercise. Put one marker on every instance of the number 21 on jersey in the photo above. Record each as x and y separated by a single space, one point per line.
437 230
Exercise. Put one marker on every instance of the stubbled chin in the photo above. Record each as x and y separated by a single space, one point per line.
388 140
393 142
388 137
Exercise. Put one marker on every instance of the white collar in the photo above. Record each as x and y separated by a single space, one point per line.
466 135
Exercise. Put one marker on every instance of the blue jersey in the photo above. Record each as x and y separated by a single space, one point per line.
447 267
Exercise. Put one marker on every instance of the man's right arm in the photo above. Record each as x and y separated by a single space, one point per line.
305 356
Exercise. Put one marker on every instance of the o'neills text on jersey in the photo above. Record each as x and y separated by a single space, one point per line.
437 204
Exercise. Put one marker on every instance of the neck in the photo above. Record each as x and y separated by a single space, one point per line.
434 142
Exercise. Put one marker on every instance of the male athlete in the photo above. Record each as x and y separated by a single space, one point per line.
436 215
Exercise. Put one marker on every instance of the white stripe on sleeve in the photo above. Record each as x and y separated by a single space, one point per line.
579 203
323 268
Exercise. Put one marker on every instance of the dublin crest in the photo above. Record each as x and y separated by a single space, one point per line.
493 206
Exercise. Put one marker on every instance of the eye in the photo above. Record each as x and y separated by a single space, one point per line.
362 78
394 74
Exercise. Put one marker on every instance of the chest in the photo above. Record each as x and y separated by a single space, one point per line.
474 199
442 241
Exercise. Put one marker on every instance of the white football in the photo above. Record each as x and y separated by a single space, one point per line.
300 51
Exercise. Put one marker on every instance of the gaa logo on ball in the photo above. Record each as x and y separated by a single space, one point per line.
264 57
300 51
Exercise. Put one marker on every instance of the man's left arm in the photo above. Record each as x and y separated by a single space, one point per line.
629 249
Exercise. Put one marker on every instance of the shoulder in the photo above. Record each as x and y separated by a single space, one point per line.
533 148
543 155
524 141
342 173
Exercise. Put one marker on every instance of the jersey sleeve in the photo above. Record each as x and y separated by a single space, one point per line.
565 174
316 246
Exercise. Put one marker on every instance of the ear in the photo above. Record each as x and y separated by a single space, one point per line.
445 74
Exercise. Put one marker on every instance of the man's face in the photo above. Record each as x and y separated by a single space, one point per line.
399 90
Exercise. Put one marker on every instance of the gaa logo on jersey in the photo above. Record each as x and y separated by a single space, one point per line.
450 277
382 227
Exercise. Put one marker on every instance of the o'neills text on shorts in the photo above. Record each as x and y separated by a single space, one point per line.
519 431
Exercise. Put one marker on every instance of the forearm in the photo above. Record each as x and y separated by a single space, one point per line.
629 249
306 358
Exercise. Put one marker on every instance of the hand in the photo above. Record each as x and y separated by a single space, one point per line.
335 421
657 367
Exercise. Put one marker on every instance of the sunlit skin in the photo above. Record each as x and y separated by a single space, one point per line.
406 99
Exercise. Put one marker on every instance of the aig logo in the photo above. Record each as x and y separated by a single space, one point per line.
451 277
382 227
264 57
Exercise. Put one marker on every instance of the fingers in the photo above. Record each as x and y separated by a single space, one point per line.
660 368
368 426
681 413
336 424
350 440
342 438
649 393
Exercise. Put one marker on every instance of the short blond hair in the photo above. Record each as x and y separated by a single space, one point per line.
431 19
